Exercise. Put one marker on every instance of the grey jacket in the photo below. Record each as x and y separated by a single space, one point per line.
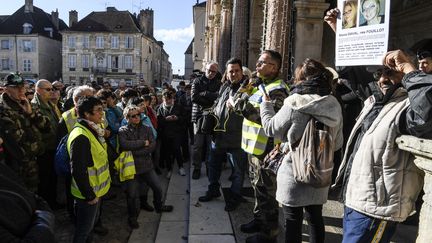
289 124
132 138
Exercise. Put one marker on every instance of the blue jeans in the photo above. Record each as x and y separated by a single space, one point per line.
86 215
358 227
238 159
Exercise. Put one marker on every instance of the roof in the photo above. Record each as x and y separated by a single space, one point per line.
203 4
39 19
108 21
3 17
189 49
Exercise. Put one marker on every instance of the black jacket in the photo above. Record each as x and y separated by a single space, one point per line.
204 93
170 129
19 220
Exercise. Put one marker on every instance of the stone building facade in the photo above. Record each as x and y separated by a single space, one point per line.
295 28
31 47
113 46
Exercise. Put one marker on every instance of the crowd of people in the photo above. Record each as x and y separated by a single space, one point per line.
236 117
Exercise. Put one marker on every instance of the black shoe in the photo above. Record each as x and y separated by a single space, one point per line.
231 205
100 230
145 206
164 208
260 238
251 227
209 196
133 223
196 174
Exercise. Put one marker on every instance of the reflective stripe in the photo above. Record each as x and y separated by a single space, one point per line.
125 165
98 172
101 186
70 119
380 231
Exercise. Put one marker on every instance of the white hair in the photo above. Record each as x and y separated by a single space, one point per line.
78 92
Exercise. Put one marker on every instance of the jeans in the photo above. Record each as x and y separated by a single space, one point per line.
217 157
86 215
134 189
358 227
294 223
199 148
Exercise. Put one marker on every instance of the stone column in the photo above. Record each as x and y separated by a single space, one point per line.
240 30
422 151
256 21
309 29
225 34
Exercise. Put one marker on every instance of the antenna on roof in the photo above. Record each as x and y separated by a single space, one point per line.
107 3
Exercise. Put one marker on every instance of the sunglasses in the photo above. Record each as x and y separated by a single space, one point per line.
423 54
134 115
261 62
383 72
49 89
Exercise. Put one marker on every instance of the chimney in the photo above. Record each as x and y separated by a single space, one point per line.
146 21
55 19
73 18
111 9
28 6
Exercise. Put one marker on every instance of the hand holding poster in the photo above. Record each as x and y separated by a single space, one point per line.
362 32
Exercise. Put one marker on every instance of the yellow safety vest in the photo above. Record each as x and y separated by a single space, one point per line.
125 165
254 140
99 176
70 117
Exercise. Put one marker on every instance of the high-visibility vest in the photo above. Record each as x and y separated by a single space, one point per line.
70 117
125 165
254 140
99 176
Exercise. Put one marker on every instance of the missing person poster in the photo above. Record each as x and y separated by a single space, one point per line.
362 32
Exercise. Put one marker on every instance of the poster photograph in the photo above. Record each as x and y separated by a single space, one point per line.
362 32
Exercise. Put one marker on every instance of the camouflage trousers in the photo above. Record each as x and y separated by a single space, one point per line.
264 186
28 171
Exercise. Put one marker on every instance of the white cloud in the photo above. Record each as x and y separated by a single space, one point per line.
177 35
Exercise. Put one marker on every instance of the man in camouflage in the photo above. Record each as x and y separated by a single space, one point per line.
257 145
23 123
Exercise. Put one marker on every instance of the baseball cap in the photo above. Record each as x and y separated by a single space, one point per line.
14 79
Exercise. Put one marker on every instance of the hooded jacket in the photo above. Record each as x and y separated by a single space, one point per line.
289 124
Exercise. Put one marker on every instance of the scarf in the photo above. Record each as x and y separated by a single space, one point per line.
99 130
312 86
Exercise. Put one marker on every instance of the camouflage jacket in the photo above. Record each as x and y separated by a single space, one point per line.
22 129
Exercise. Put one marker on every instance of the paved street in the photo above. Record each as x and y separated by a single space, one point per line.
196 222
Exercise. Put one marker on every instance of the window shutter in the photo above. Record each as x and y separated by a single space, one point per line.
131 42
120 64
33 47
109 61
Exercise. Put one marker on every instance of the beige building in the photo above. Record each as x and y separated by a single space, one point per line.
31 47
295 28
199 21
113 46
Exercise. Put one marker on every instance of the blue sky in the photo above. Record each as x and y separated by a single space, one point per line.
172 18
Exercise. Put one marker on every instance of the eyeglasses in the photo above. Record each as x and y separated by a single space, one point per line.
423 54
261 62
100 110
49 89
211 71
387 72
134 115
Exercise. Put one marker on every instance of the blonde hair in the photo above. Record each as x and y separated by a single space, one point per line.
353 6
128 109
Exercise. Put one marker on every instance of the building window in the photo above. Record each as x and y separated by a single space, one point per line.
5 44
99 42
5 64
85 61
129 42
86 42
27 45
72 61
128 62
27 66
114 62
72 42
114 42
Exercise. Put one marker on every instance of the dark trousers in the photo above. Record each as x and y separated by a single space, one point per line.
86 215
358 227
47 187
170 150
200 147
134 189
294 223
219 156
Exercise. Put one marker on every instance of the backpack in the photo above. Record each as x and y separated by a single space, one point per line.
61 158
312 159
